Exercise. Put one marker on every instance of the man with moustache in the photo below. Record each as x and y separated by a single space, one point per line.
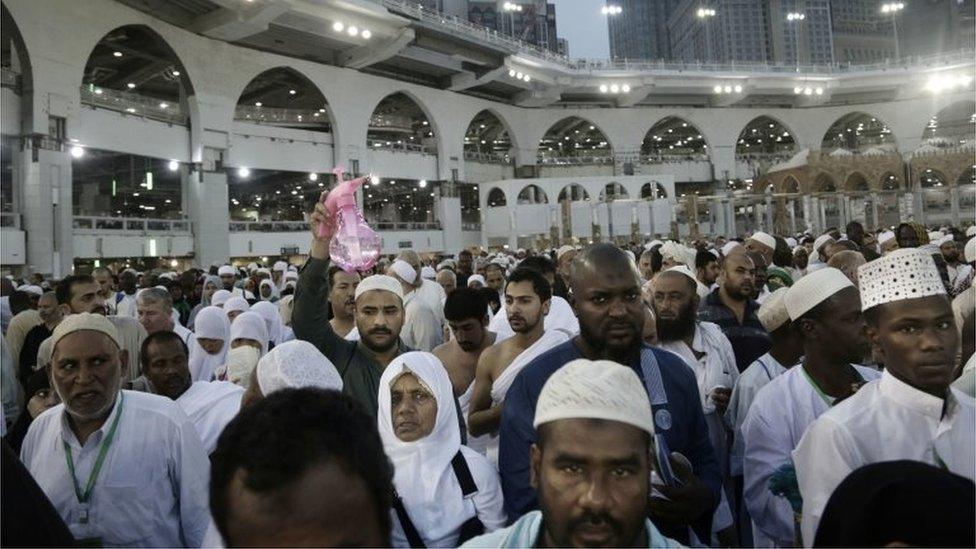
79 294
379 318
342 300
607 299
528 296
122 468
51 316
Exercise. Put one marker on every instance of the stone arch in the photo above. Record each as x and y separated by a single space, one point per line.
503 122
967 177
311 108
613 191
890 181
674 136
136 59
573 192
653 190
824 182
532 194
425 111
856 181
13 39
791 184
766 134
953 125
931 177
496 198
573 136
858 131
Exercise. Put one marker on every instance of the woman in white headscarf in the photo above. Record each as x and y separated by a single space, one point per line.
267 291
248 343
436 501
212 331
210 286
272 319
235 306
220 297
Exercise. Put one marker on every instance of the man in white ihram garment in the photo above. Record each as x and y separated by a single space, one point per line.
825 309
704 347
122 468
911 412
560 316
421 329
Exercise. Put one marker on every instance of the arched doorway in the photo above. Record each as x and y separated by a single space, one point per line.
653 191
574 140
496 198
613 191
399 123
764 142
487 139
532 194
673 139
573 192
283 97
859 132
953 126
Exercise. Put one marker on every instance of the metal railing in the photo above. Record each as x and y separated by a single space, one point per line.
131 225
969 149
134 104
582 160
488 158
382 144
10 79
268 226
405 225
272 115
466 29
10 220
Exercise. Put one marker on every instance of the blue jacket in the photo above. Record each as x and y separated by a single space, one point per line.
687 432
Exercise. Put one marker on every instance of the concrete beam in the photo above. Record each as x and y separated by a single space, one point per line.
237 24
467 80
432 58
538 98
636 95
374 52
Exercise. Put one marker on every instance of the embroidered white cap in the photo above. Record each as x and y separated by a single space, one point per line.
225 270
885 237
821 240
971 230
595 389
765 239
84 321
380 282
428 272
563 250
813 289
295 364
729 246
970 250
907 273
772 313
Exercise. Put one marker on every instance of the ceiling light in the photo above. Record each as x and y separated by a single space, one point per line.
98 91
797 90
130 110
511 72
173 165
176 73
807 91
727 89
77 151
422 183
738 89
313 176
717 89
519 75
243 172
603 88
257 103
366 34
292 92
614 88
130 85
163 105
374 179
625 88
819 91
117 54
338 26
353 31
527 78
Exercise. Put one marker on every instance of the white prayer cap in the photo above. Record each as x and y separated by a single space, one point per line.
791 242
263 270
652 243
296 364
168 276
821 240
772 313
595 389
225 270
428 272
380 282
813 289
715 253
280 266
293 268
729 246
630 254
969 252
971 230
934 235
405 271
236 303
563 250
885 237
683 269
765 239
291 275
31 289
476 278
906 273
220 297
84 321
252 266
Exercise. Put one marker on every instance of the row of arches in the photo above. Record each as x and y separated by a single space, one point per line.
134 60
574 192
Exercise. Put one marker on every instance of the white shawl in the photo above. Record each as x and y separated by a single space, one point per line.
211 323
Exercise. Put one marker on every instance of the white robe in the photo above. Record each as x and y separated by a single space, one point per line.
132 335
561 317
127 305
754 378
777 419
886 420
421 329
211 405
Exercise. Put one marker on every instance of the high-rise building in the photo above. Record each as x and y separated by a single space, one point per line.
861 33
800 31
736 32
640 31
532 23
927 27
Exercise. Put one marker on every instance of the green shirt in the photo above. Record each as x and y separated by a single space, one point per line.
356 364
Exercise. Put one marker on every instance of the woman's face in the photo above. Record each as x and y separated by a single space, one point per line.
41 401
265 290
211 345
208 290
413 409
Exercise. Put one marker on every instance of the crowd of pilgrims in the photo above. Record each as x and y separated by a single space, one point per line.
760 391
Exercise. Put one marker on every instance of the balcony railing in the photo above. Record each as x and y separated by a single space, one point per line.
488 158
582 160
134 104
405 226
140 226
382 144
268 226
9 79
10 220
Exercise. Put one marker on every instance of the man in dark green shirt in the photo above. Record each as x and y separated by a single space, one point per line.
379 317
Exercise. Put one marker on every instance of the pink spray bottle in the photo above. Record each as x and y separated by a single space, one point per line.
354 246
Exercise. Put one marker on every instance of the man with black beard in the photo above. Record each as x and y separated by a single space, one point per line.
709 354
606 297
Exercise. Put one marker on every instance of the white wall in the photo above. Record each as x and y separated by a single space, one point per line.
408 165
681 171
478 172
272 148
89 246
12 247
10 105
256 244
114 131
591 170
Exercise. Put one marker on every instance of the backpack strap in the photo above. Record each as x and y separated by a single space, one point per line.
409 530
463 475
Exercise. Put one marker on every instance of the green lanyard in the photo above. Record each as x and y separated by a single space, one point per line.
829 400
102 452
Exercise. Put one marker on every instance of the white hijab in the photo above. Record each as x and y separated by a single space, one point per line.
272 319
220 297
249 325
274 290
211 323
423 476
236 303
